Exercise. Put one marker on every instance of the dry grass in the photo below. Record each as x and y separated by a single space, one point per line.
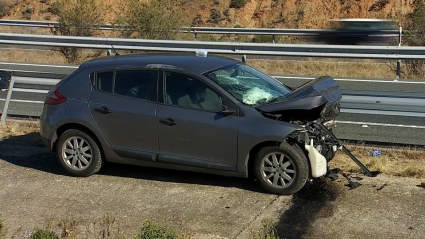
45 56
308 67
20 132
107 227
405 162
266 231
2 229
331 67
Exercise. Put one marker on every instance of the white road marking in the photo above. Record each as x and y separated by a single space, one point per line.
30 90
382 112
25 101
380 124
351 80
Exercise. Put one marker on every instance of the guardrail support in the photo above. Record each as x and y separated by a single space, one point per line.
274 39
244 58
6 103
400 32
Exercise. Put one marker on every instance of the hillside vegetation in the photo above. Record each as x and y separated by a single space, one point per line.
249 13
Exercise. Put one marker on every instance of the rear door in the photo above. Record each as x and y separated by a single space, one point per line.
192 131
124 104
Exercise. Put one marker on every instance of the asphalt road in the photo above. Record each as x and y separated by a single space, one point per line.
371 125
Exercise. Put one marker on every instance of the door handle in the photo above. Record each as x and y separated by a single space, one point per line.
103 110
168 121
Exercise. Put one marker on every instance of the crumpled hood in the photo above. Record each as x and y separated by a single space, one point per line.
322 92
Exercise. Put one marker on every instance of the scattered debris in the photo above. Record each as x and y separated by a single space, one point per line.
382 187
375 153
422 185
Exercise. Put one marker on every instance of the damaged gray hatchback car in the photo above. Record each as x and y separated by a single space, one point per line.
188 112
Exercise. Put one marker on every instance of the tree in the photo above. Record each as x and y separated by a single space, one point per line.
159 19
77 18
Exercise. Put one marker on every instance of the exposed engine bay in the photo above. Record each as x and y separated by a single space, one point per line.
313 106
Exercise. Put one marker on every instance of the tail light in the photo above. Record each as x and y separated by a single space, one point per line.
54 97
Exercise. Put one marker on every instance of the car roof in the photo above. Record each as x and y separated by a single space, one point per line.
186 62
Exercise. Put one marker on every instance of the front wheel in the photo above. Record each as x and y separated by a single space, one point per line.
282 170
78 153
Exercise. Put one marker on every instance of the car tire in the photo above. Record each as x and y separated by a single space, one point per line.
84 161
281 175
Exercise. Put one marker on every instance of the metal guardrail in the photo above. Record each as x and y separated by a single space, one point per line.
270 49
197 30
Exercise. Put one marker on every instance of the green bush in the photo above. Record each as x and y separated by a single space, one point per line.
415 23
159 19
4 9
54 8
215 16
263 39
77 18
155 231
237 3
43 234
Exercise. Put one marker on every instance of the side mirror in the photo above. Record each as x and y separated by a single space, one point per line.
225 110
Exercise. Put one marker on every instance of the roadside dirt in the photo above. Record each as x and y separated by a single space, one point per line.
34 191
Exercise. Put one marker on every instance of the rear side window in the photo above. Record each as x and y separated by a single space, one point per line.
104 81
130 83
136 84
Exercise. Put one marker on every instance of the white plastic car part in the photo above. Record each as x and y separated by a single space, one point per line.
317 161
201 53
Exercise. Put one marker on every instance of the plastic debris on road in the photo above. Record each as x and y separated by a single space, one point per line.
375 153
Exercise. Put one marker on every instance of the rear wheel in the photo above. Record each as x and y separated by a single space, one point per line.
282 170
78 153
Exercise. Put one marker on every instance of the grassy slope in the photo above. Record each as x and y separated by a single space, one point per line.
259 13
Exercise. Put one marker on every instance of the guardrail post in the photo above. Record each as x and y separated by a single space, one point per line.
398 73
6 103
244 58
274 39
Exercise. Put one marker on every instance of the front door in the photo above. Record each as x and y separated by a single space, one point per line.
123 105
191 129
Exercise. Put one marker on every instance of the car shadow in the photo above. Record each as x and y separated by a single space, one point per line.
314 201
27 151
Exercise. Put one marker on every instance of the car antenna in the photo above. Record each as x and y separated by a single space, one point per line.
113 49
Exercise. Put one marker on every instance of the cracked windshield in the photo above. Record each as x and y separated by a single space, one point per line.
248 85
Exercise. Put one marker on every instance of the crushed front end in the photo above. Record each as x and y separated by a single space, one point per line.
313 106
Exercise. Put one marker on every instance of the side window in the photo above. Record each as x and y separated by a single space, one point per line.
136 84
104 81
185 91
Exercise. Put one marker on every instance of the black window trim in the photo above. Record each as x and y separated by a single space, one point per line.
94 81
